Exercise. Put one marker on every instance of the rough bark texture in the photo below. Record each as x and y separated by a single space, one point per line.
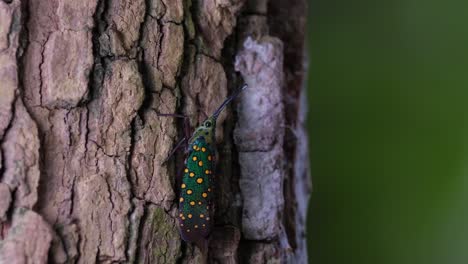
82 172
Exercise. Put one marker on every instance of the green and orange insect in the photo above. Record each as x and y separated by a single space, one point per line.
196 189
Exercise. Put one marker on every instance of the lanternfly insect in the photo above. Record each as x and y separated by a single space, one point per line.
196 189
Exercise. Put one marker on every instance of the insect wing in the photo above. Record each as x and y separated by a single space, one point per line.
196 194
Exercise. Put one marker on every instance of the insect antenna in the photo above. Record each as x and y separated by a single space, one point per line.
227 101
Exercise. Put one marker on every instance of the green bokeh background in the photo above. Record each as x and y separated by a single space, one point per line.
388 128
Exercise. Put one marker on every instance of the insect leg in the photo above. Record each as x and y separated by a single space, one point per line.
186 122
175 149
187 131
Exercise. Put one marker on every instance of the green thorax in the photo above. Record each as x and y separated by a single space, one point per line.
206 131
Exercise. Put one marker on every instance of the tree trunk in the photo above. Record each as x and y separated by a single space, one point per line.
82 172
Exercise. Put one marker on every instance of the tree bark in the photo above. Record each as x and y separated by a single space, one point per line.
82 172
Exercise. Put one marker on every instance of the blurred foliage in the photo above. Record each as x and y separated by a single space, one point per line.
388 128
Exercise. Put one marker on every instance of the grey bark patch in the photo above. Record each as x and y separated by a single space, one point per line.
259 136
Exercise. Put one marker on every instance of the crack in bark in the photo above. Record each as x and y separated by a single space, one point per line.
41 82
139 246
133 130
132 188
109 190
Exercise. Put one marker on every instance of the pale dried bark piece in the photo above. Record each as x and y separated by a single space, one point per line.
28 240
259 137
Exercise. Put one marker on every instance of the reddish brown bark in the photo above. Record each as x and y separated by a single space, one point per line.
82 178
